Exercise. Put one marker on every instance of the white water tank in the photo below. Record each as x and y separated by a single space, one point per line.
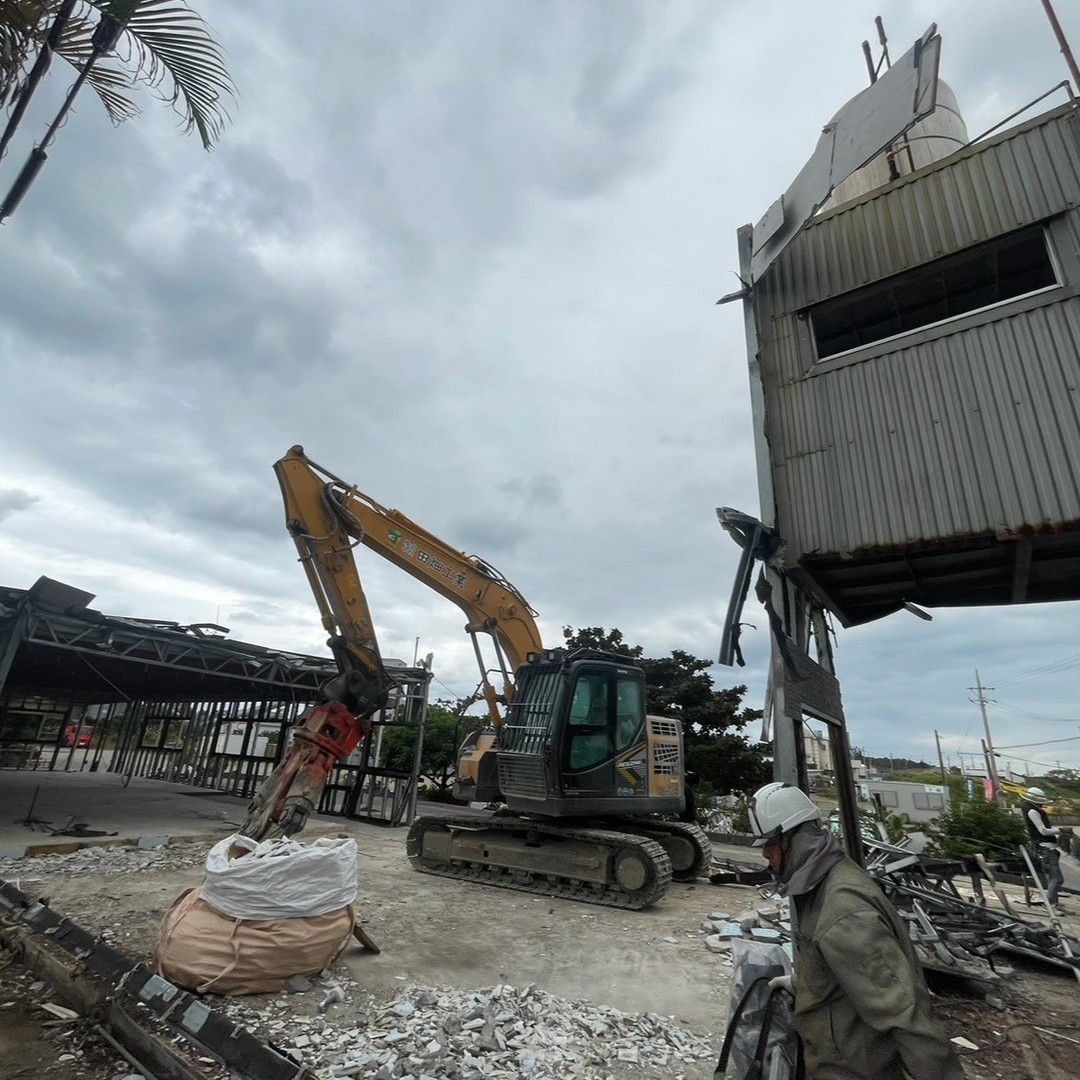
942 133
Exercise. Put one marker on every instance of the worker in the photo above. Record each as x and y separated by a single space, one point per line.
1044 839
862 1008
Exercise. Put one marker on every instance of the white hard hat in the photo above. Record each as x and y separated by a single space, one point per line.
1036 795
776 809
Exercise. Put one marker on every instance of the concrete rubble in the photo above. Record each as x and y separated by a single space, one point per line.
332 1025
445 1032
104 859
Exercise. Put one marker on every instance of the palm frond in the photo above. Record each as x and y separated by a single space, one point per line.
107 81
170 45
164 45
23 27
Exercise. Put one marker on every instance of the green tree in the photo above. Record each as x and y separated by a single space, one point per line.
729 764
973 825
596 637
679 686
444 730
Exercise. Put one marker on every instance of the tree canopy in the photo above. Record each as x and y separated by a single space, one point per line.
971 824
444 730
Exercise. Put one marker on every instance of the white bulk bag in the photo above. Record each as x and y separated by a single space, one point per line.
280 878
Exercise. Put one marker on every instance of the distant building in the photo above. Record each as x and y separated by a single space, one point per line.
921 802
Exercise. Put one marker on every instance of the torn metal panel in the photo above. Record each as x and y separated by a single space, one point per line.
758 543
867 125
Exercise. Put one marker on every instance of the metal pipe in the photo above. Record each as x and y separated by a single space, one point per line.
1062 43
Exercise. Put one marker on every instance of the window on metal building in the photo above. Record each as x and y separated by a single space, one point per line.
928 800
981 277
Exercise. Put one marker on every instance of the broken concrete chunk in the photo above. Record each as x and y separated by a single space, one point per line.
746 919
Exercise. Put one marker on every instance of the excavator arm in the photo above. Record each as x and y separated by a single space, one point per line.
326 518
492 606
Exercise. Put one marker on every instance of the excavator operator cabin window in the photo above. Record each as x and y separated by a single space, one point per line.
629 713
589 705
590 739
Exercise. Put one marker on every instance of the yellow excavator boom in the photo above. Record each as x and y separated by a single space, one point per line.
326 516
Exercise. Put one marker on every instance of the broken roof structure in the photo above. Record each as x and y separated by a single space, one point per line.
172 702
53 642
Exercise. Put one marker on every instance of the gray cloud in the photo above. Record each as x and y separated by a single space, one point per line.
467 254
14 501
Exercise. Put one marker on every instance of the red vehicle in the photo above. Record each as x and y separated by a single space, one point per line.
84 737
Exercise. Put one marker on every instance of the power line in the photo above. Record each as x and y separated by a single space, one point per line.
1024 714
1041 764
1022 745
1048 669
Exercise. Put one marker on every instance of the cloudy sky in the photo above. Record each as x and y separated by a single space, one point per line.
467 253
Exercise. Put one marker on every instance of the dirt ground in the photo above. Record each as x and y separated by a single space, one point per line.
435 932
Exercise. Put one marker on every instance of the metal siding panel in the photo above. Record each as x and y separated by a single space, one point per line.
975 433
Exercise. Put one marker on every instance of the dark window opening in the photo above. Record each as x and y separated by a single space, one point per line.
980 277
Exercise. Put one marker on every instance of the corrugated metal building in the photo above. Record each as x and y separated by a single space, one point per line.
919 353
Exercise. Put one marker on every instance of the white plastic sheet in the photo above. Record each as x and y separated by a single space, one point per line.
280 878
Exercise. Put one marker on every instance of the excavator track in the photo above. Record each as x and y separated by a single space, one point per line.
610 867
688 845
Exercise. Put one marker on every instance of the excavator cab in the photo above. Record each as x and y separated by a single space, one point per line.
576 741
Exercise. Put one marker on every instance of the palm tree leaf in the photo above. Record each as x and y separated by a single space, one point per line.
170 44
107 81
164 45
23 26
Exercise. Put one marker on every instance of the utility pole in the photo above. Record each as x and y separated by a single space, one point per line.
988 743
941 760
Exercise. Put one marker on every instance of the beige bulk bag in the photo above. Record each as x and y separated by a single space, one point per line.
202 949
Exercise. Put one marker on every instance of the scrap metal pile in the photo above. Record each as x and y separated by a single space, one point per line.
956 929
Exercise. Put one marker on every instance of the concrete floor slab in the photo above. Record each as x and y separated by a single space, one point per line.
42 811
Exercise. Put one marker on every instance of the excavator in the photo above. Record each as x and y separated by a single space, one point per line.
588 787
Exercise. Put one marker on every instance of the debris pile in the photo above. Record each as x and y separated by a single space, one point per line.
955 932
105 859
768 922
958 935
443 1033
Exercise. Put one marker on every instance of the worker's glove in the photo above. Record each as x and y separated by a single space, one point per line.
781 982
